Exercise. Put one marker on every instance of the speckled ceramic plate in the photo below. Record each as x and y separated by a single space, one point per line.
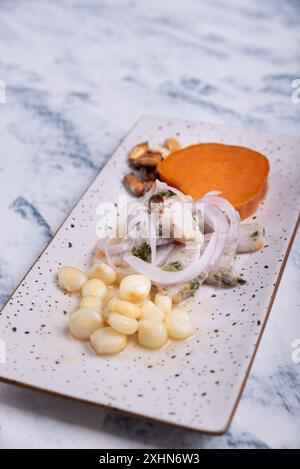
194 384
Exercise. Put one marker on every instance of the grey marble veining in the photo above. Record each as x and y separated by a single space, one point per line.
78 74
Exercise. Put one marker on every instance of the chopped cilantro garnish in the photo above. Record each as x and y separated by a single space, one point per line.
195 284
173 266
143 252
166 193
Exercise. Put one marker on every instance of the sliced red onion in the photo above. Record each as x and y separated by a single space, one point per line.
230 212
207 237
117 248
213 193
163 187
161 277
219 224
163 253
152 237
164 241
152 240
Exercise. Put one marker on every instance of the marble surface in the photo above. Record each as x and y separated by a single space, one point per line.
78 74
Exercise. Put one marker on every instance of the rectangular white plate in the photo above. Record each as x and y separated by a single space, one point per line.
194 384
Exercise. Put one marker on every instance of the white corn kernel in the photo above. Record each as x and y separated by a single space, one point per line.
71 279
152 333
135 288
179 324
84 322
94 287
163 302
91 302
105 314
123 324
106 341
112 292
103 272
124 307
151 311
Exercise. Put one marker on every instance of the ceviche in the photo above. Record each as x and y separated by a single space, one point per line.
170 244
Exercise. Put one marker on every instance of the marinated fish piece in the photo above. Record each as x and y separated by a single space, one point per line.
251 237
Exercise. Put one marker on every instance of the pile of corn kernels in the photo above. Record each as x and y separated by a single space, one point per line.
111 310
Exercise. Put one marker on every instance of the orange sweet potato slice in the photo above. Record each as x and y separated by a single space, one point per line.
238 172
